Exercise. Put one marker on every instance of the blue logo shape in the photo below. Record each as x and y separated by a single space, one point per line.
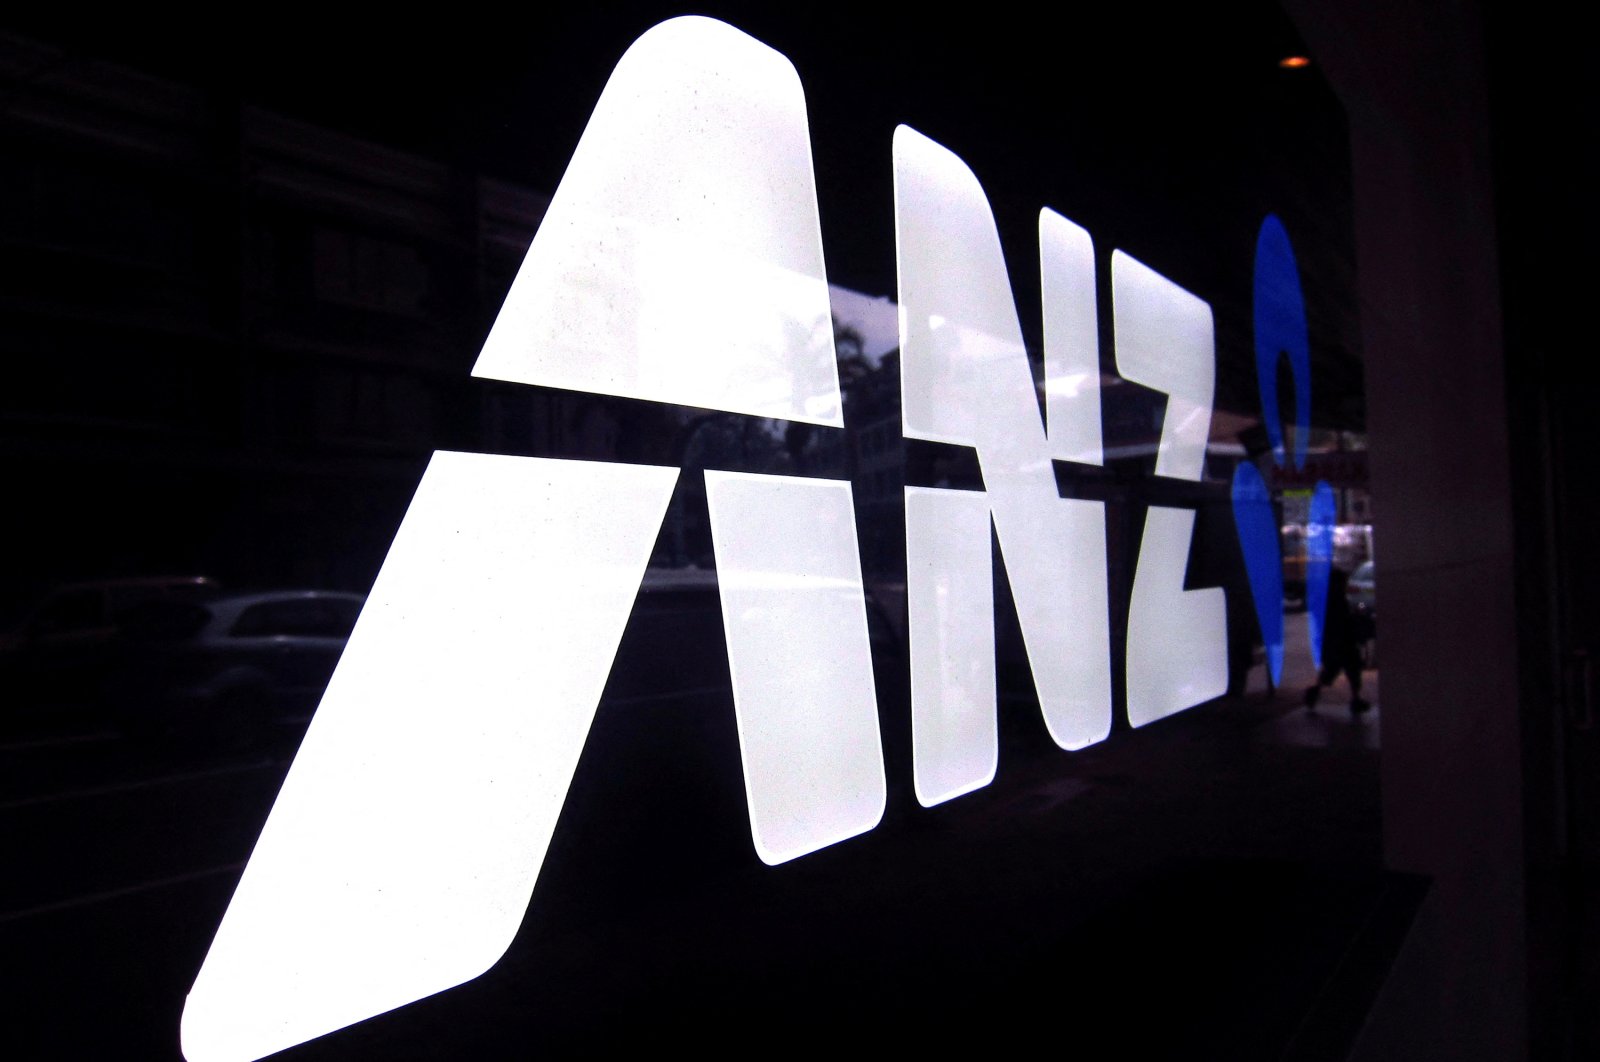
1280 327
1258 536
1280 335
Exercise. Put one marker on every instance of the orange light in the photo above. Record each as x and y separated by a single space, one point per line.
1294 62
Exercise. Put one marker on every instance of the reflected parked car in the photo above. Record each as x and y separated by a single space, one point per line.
237 670
1295 563
58 655
1362 592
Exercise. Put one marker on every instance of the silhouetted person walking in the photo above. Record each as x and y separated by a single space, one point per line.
1340 649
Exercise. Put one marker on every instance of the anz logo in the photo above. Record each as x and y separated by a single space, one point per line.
400 856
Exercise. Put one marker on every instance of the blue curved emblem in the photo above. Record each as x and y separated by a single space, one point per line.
1281 337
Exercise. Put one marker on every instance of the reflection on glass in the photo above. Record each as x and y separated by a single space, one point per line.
1071 340
789 574
965 379
1177 638
1308 547
681 257
400 854
1257 526
1319 562
950 601
1164 340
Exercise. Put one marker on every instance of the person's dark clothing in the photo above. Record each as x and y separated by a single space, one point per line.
1340 649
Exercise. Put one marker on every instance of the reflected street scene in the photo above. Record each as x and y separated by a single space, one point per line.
686 530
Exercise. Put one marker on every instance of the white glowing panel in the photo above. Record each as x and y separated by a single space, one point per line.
957 319
1177 639
789 575
1177 654
1164 340
681 257
950 606
401 853
965 379
1071 340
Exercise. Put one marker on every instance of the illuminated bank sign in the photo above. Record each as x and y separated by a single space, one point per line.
400 856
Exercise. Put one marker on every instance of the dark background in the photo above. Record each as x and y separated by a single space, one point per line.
247 267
